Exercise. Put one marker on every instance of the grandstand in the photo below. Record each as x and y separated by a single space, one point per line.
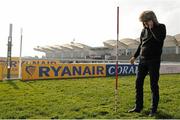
126 48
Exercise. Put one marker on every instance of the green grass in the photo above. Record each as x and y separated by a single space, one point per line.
85 98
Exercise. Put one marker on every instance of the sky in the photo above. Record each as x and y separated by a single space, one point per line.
57 22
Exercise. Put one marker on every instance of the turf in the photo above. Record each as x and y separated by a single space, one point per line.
85 98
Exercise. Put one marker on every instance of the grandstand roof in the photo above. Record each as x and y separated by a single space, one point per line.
47 48
137 39
38 48
131 43
64 47
56 48
44 49
67 46
79 46
112 44
170 41
177 37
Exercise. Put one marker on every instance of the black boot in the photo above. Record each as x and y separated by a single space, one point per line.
152 112
138 110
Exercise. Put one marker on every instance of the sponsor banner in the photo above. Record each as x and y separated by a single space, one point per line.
31 72
169 69
15 64
123 69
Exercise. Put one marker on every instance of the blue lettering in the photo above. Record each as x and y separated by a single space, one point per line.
100 70
87 70
56 71
44 71
93 70
76 70
66 71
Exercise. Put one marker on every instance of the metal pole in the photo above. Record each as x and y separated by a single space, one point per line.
116 85
20 56
9 52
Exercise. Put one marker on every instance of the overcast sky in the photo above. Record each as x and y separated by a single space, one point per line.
51 22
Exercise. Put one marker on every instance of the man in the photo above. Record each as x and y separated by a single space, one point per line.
149 52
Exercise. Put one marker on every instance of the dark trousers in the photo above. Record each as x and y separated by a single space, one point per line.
145 67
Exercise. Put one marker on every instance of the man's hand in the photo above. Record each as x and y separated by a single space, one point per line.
149 24
132 60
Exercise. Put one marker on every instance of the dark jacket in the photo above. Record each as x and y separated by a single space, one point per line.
151 43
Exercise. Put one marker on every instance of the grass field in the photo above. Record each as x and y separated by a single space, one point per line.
85 98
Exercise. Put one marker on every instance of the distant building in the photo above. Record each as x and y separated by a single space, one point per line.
126 48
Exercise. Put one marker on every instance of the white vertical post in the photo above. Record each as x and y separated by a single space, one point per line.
20 56
9 52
